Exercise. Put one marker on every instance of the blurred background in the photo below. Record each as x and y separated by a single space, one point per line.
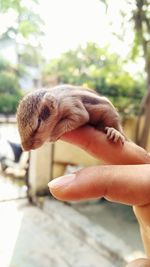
104 45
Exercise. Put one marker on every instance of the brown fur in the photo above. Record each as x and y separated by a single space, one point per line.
46 114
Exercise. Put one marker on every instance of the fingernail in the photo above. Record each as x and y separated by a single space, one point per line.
62 181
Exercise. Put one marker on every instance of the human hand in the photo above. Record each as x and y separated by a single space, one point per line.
128 181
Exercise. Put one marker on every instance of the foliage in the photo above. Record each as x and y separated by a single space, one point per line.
10 92
139 22
8 103
141 19
26 27
31 57
8 83
4 65
27 21
24 33
95 67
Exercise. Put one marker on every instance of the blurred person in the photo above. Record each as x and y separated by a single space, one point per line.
125 180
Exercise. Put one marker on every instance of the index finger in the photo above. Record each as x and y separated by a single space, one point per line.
96 143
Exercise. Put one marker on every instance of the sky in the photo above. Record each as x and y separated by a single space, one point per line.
69 23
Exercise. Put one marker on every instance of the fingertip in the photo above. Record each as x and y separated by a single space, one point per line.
139 263
62 187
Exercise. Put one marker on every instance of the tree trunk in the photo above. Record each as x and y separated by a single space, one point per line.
142 135
141 19
146 128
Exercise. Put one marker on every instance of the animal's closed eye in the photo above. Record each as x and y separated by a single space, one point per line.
38 126
45 113
39 122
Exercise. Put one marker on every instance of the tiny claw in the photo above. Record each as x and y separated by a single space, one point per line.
114 135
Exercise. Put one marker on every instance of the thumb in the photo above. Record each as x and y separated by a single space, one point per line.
128 184
77 186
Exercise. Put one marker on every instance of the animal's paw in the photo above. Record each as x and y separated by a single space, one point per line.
114 135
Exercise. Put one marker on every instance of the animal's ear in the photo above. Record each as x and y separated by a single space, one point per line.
47 107
50 101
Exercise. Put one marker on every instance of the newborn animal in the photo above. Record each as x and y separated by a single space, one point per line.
46 114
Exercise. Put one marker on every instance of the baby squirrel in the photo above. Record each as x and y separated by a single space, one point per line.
46 114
